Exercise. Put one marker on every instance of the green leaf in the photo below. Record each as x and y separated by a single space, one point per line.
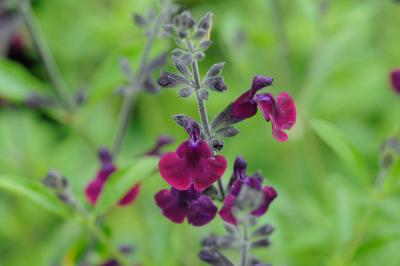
16 83
34 192
123 180
343 148
392 182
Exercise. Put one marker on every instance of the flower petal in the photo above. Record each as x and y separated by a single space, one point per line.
131 196
395 79
244 107
201 211
194 151
281 113
269 195
170 206
208 171
175 171
93 190
285 115
226 210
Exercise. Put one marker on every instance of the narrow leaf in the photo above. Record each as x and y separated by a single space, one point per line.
342 146
34 192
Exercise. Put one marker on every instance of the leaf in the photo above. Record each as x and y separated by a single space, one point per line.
342 146
34 192
227 132
392 182
123 180
16 83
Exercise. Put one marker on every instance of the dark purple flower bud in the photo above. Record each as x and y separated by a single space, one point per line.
51 180
126 248
169 80
214 257
105 156
186 122
217 144
395 79
264 230
191 204
139 20
56 181
261 243
216 84
35 100
205 22
81 97
162 141
149 86
64 197
111 262
186 20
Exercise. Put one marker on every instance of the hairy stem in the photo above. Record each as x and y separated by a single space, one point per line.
136 84
45 54
202 107
244 254
281 36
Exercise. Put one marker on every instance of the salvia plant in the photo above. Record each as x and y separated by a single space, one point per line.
195 170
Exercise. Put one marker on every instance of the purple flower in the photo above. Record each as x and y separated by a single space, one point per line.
177 205
395 79
193 163
239 180
131 196
280 111
95 186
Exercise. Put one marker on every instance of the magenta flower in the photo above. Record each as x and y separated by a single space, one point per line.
395 79
95 187
177 205
193 163
280 111
131 196
239 180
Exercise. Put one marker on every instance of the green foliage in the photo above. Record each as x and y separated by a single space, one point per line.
341 145
17 83
34 192
334 60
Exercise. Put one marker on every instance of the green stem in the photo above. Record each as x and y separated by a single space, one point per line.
202 107
245 250
359 233
101 237
45 54
136 84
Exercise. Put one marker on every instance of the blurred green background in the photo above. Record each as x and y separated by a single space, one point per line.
332 56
